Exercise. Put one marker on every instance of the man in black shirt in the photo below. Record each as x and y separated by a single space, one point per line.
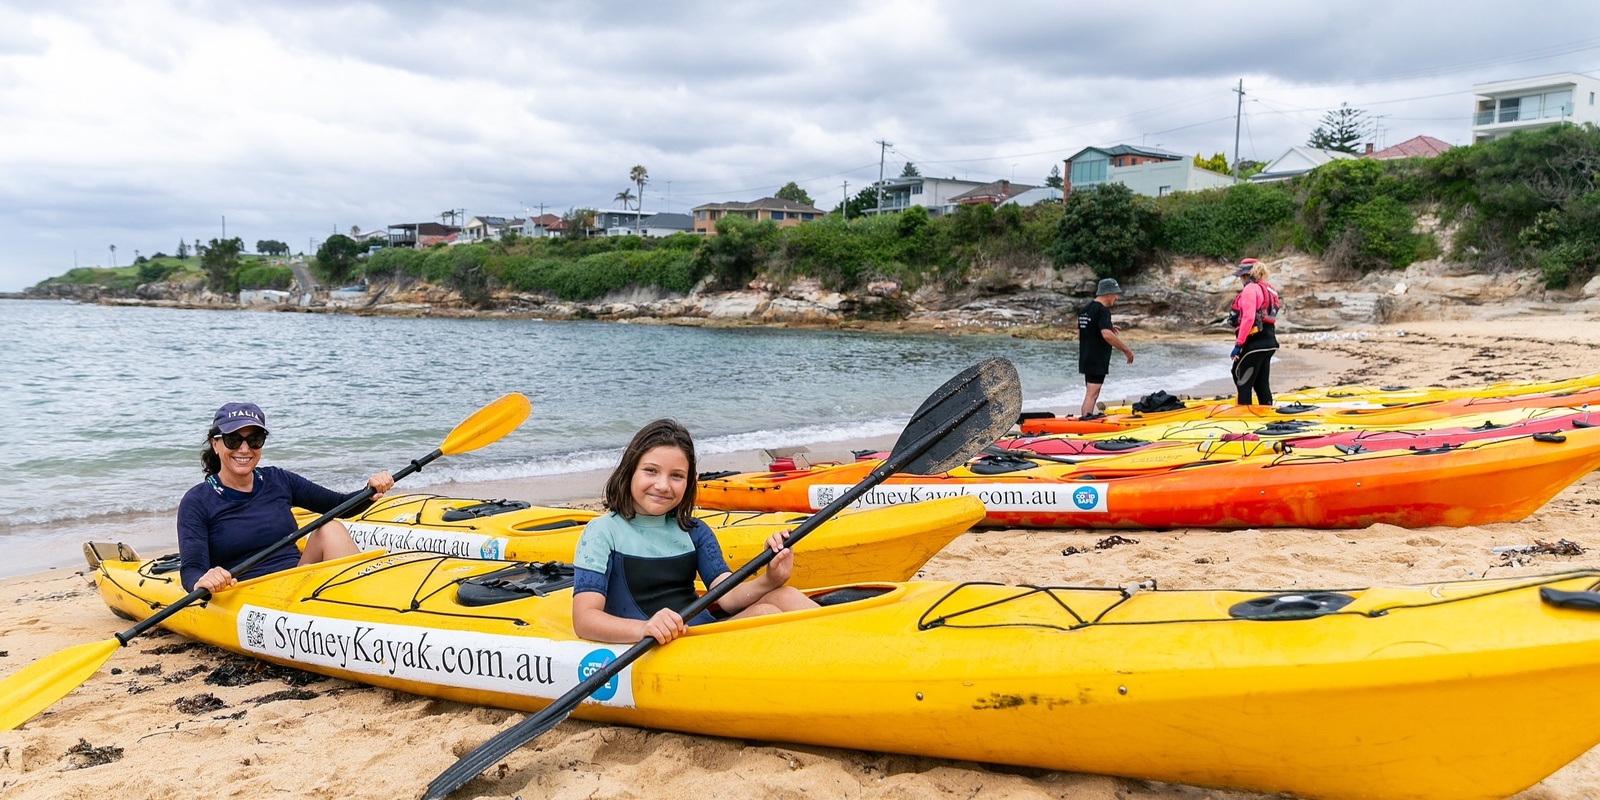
1096 338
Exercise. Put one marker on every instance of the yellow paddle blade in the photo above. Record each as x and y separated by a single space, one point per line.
487 425
33 688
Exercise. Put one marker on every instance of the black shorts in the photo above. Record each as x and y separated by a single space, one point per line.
1088 379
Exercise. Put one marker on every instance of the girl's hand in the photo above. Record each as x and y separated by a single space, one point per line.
782 564
665 626
380 483
215 580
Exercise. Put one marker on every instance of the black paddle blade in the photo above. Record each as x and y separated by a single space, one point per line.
490 752
986 399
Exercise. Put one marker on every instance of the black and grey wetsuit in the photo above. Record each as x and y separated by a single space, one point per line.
646 564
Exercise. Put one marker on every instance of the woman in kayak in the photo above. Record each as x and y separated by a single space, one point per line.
1255 319
241 507
636 565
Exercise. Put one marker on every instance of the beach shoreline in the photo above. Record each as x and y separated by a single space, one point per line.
339 739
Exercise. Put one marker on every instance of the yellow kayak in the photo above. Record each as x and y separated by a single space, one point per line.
874 544
1471 689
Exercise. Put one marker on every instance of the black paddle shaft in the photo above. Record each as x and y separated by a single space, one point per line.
938 442
201 594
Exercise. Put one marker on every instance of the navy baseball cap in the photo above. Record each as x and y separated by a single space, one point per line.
233 416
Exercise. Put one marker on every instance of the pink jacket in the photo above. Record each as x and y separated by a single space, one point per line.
1257 303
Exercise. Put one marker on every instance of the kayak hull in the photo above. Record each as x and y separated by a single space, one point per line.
1402 693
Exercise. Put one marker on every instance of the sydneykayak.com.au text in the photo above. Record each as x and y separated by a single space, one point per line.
394 540
897 495
365 645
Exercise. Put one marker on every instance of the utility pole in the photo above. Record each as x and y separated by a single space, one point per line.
844 201
1237 112
224 227
883 148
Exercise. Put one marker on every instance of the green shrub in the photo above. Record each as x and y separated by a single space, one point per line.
738 251
1223 223
1107 227
1354 214
260 276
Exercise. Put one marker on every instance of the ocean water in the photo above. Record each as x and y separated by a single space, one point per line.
104 409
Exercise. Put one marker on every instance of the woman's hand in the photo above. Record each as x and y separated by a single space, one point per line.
665 626
379 484
215 580
782 564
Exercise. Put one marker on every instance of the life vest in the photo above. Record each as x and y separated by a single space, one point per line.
1266 311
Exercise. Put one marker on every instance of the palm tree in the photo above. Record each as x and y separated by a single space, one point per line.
639 175
625 197
113 256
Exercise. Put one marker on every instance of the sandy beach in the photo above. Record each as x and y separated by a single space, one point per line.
166 718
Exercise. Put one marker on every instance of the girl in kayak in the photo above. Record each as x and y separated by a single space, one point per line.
636 565
241 507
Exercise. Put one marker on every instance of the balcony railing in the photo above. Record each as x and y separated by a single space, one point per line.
1561 111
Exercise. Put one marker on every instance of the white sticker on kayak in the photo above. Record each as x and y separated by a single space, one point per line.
522 665
369 536
1076 497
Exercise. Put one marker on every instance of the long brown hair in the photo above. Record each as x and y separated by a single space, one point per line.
661 433
209 460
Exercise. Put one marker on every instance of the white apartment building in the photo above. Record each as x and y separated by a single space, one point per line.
1517 105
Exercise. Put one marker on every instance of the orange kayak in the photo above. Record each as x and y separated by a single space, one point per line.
1497 480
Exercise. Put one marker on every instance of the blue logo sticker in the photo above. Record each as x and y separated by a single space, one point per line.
490 549
1085 497
594 662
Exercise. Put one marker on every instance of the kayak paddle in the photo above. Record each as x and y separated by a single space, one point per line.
959 419
35 687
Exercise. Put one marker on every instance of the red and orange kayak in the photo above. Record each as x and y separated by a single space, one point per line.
1496 480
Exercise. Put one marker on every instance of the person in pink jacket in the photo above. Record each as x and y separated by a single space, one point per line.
1255 319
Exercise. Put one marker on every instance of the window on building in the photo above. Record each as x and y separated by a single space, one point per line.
916 188
1162 192
1510 108
777 216
1089 170
1558 104
807 217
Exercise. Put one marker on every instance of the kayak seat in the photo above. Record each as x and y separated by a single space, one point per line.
487 508
1553 438
711 476
1296 605
1578 423
848 595
1000 464
1284 427
516 582
1488 425
1295 408
1118 444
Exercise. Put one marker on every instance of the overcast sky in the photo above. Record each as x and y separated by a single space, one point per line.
137 124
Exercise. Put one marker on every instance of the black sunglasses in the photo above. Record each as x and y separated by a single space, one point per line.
233 440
